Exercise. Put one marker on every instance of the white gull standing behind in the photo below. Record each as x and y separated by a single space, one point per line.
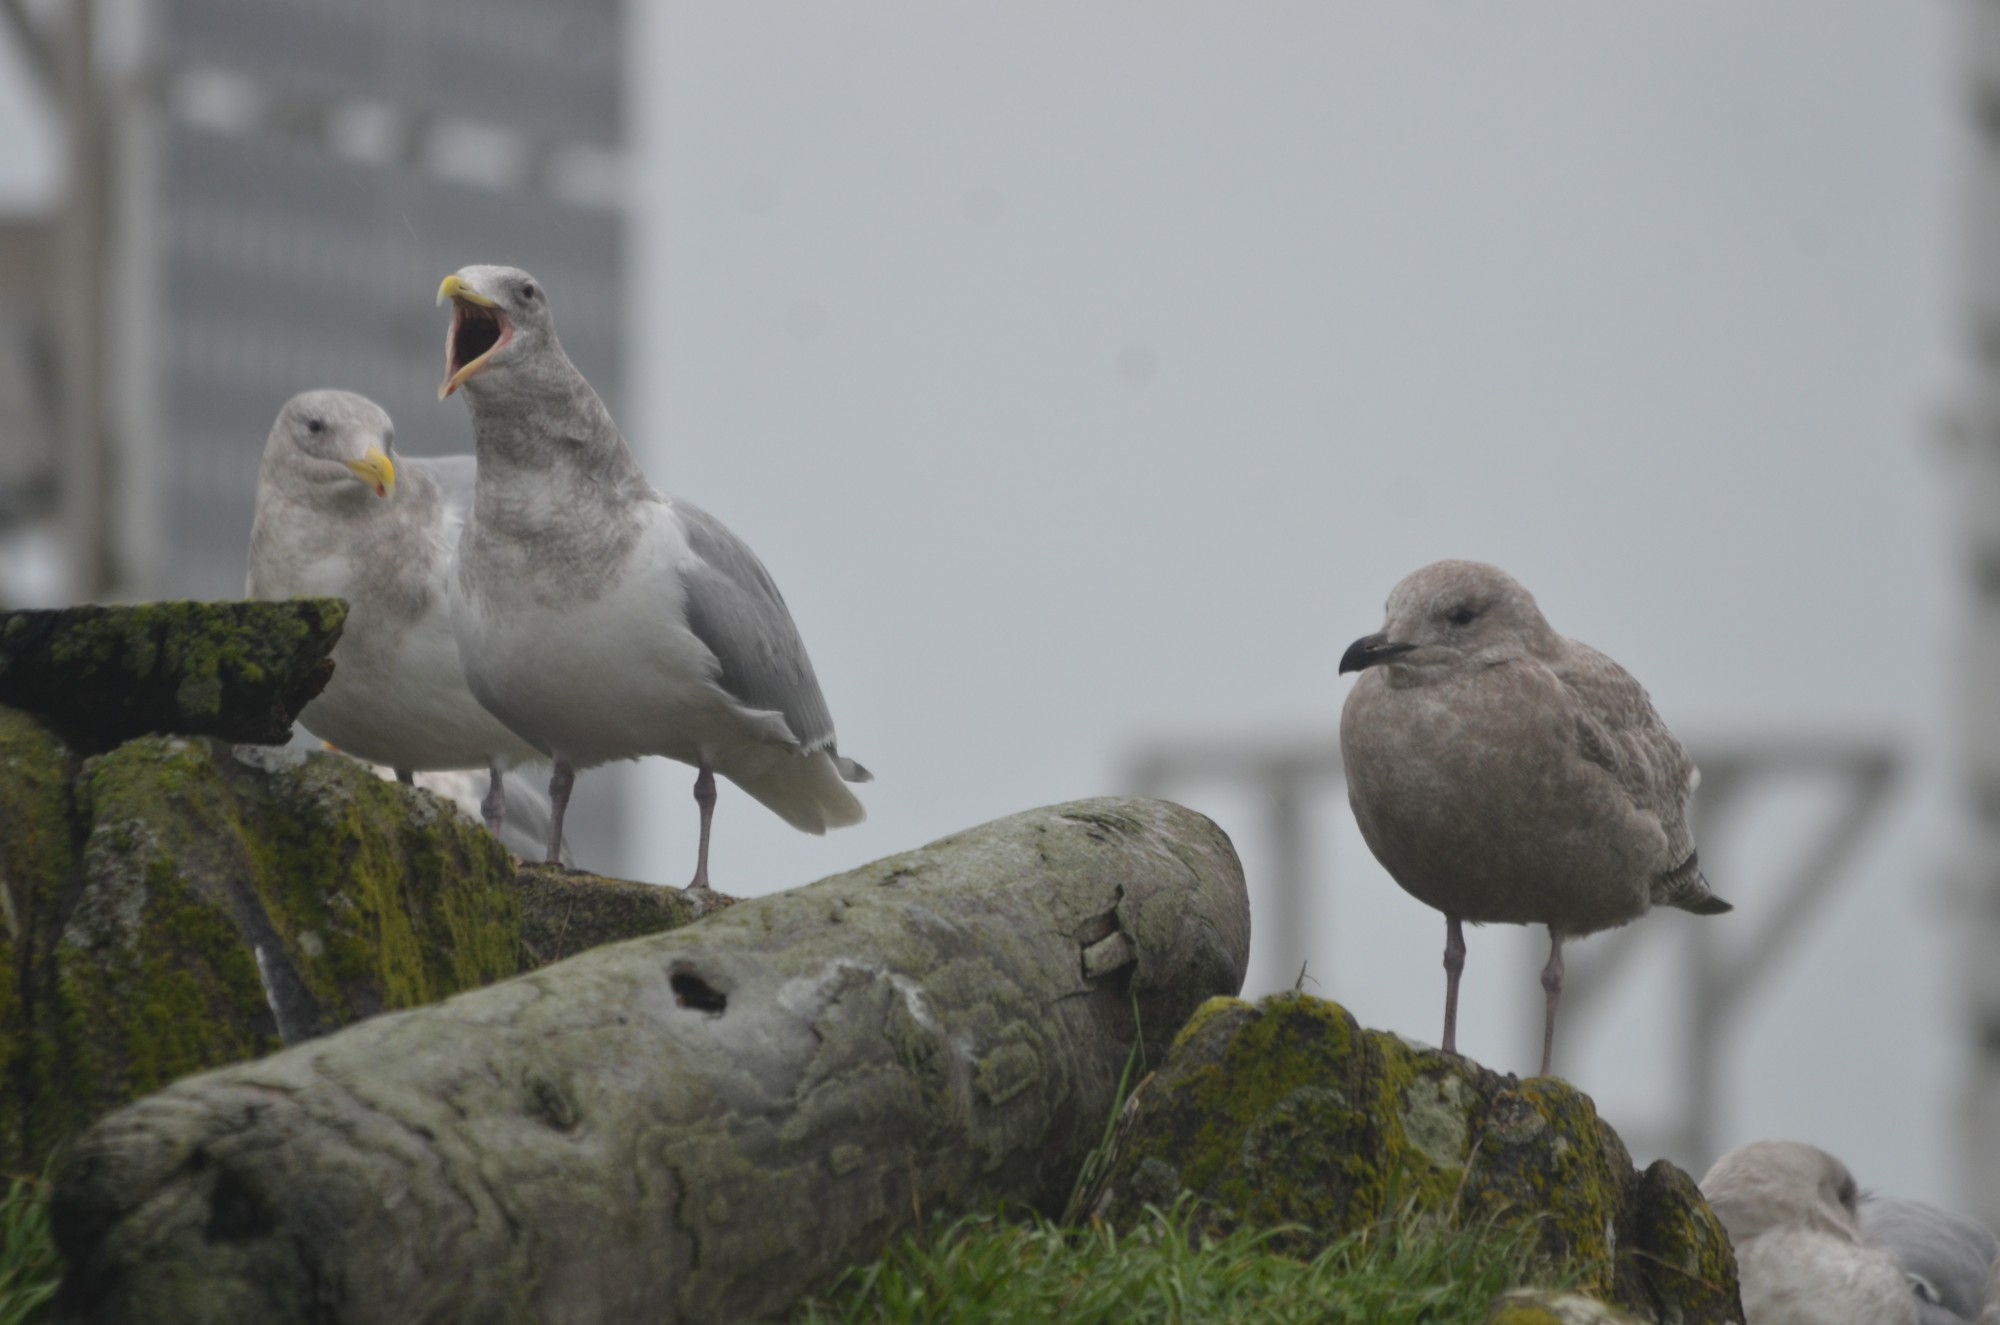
339 515
600 619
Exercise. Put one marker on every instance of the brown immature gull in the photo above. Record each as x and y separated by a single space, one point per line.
1502 773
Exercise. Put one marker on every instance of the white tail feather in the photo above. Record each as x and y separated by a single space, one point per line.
805 791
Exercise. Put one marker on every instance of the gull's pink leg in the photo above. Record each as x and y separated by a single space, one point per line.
1552 985
1454 963
704 796
559 784
493 806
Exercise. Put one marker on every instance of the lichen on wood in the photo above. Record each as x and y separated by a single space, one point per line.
699 1125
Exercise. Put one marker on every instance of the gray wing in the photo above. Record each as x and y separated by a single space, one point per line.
1618 729
735 609
1947 1257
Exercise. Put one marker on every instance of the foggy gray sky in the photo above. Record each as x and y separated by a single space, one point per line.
1088 373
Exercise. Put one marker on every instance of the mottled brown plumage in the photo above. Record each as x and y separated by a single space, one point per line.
1502 773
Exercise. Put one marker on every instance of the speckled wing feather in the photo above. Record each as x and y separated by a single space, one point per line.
734 608
1618 729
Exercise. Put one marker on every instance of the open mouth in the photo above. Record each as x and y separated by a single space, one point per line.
477 329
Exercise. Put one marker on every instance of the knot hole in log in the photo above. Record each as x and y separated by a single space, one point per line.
236 1213
691 991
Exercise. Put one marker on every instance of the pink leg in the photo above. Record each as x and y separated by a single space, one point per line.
560 783
1552 985
1454 963
493 808
704 796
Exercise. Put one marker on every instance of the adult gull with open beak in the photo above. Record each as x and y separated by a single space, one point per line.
601 619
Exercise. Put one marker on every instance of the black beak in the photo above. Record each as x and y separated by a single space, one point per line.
1369 650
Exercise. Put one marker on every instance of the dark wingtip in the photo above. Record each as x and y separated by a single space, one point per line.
1710 905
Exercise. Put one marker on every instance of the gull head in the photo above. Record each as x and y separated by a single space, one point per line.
499 320
1454 613
1781 1184
330 441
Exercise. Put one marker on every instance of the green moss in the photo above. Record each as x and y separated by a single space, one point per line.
101 675
384 897
202 641
37 865
1287 1115
1688 1271
155 879
1218 1016
138 1009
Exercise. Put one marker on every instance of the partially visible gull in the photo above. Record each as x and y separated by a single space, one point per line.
601 619
338 514
1789 1211
527 828
1504 774
1947 1258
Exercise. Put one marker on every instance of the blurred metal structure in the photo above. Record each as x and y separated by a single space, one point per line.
1722 970
1284 777
51 426
1974 435
262 197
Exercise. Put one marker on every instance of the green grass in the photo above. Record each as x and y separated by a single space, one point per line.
990 1270
29 1266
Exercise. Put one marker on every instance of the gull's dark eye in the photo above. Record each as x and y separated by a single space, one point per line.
315 425
1461 616
528 290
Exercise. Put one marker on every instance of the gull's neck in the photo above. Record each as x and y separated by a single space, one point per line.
543 423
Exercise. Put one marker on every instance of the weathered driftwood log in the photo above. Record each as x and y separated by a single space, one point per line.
700 1125
101 675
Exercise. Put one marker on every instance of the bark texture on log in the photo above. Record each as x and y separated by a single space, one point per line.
699 1125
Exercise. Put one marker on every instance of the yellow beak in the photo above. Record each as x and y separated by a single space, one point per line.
378 471
454 288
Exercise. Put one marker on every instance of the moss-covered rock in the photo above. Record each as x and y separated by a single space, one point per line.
236 670
1286 1113
564 911
37 866
179 903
